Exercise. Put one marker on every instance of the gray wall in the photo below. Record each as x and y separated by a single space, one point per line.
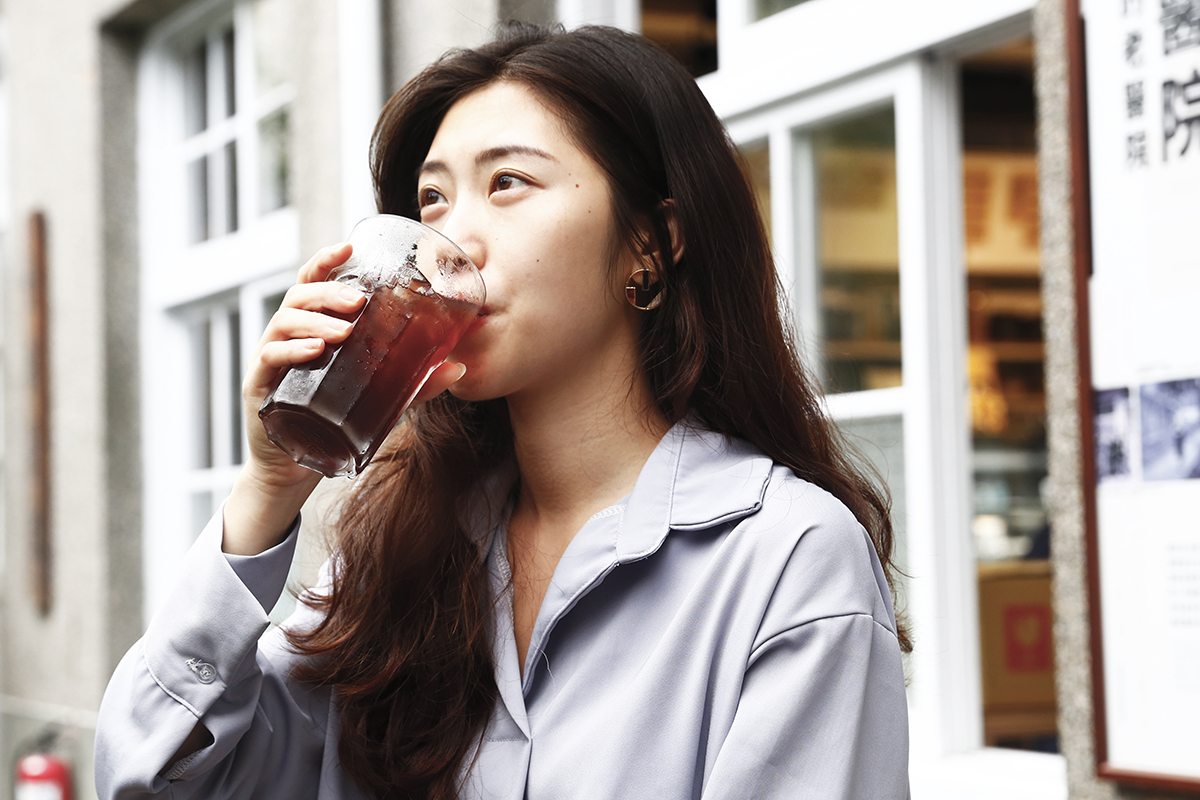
53 668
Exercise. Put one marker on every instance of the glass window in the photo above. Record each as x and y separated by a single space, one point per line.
274 165
214 413
880 441
857 252
220 331
232 107
1008 407
757 161
219 78
274 44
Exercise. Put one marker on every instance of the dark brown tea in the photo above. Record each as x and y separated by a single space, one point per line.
332 413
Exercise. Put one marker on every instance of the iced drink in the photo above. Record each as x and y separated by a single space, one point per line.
332 413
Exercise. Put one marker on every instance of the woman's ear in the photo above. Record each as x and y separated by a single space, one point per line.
652 233
668 211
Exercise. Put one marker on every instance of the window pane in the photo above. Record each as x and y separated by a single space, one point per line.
202 510
765 8
274 186
858 252
1004 304
235 363
195 89
881 441
758 167
274 43
230 72
201 334
1010 527
231 188
271 304
197 182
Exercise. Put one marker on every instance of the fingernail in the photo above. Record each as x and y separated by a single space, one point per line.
350 294
462 370
313 344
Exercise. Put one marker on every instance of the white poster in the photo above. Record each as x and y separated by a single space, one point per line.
1143 79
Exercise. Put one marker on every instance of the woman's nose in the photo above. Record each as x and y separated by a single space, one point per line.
462 228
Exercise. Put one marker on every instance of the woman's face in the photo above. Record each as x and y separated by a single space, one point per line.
504 181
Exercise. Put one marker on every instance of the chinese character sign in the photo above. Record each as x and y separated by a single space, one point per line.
1142 64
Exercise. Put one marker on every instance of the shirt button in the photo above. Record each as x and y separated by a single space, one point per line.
205 672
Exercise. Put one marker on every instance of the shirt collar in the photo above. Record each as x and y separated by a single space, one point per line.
694 479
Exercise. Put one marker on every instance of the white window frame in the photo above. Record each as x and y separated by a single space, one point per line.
180 281
360 89
785 74
797 49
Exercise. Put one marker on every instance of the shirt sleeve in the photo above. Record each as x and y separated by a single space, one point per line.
822 714
209 657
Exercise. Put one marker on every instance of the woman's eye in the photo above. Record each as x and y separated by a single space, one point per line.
505 181
429 197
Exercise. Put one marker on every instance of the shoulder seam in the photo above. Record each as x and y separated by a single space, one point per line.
760 647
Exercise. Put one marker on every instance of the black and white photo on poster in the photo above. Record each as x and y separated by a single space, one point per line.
1181 25
1171 430
1112 433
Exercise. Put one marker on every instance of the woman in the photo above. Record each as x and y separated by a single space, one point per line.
623 556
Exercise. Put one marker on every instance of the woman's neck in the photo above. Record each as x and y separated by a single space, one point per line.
580 448
580 445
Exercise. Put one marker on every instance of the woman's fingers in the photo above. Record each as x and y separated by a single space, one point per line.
299 323
328 296
442 378
276 355
297 334
321 264
315 314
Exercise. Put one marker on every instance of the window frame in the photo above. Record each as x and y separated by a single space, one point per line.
182 282
791 52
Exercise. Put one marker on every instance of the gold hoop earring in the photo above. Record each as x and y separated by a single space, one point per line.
642 292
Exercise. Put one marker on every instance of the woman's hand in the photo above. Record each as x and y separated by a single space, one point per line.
313 316
271 488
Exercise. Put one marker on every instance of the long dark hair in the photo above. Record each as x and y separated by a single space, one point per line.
405 636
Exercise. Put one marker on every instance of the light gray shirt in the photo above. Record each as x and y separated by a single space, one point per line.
724 632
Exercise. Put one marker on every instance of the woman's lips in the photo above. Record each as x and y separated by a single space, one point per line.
477 323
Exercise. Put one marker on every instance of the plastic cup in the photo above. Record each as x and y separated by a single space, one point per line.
332 413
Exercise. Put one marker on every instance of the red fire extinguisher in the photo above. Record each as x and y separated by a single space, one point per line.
42 776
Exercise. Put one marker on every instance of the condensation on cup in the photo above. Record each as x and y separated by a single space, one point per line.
332 413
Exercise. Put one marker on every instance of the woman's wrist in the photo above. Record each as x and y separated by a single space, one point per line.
259 513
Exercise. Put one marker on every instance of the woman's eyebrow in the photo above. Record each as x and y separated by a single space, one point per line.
504 151
489 155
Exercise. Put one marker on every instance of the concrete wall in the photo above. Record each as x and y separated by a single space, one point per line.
54 667
1072 634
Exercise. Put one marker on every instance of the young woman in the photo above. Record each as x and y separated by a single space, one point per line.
622 556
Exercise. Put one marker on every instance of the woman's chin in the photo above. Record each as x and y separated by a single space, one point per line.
471 389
